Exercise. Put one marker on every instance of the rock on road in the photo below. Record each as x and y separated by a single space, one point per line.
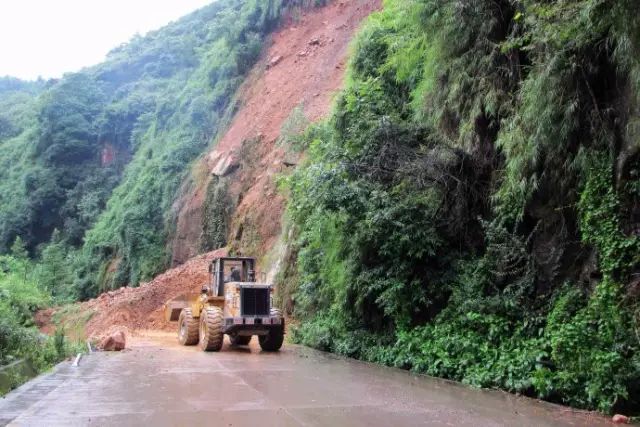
158 383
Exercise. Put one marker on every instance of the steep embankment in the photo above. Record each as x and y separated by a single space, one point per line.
301 69
236 201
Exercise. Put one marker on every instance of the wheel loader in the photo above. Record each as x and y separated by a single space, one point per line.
232 303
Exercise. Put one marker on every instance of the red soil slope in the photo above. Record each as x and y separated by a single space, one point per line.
304 66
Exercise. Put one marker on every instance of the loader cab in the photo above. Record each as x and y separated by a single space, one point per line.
230 269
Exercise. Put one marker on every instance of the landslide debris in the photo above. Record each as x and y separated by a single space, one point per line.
129 309
116 341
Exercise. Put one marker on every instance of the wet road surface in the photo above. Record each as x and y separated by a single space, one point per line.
156 382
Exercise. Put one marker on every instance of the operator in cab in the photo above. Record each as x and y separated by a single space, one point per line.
234 276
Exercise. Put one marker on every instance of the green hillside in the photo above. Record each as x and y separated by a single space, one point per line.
470 210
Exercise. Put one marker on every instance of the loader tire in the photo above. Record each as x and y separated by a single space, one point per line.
187 328
273 341
240 340
211 336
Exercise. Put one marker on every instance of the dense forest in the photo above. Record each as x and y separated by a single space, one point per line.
90 164
471 208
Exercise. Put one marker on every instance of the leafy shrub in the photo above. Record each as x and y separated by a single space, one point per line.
20 297
291 133
216 216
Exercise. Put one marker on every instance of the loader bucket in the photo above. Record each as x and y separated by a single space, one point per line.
172 308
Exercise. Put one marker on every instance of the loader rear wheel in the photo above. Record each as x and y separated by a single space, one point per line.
211 336
274 339
240 340
187 328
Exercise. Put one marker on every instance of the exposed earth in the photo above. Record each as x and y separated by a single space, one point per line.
157 382
303 67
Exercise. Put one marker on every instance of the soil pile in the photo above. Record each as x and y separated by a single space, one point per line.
142 308
44 320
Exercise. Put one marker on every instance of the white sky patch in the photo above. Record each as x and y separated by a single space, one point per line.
48 38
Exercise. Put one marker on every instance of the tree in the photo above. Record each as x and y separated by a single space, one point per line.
54 272
19 250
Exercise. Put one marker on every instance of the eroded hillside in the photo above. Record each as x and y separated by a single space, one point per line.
232 197
94 164
293 85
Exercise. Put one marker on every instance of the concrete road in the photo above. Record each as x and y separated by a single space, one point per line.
158 383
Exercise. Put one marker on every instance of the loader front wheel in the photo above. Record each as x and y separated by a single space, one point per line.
211 336
274 339
187 328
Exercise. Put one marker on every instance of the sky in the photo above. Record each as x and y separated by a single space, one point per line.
47 38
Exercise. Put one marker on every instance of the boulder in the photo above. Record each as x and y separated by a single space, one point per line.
222 164
274 61
620 419
117 341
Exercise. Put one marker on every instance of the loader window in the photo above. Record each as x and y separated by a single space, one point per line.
233 271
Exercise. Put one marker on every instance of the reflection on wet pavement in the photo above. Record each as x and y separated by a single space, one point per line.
157 382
